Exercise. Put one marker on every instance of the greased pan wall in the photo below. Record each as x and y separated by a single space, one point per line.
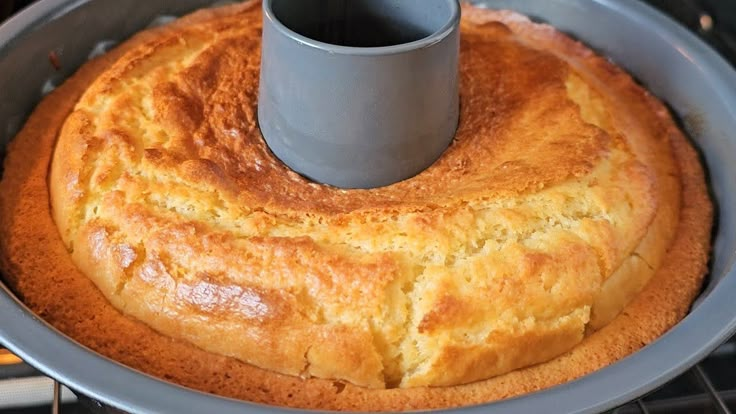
671 62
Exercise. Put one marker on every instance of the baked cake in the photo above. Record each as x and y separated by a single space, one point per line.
566 226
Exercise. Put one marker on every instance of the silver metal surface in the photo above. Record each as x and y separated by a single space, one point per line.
373 121
693 392
673 63
56 402
16 393
712 393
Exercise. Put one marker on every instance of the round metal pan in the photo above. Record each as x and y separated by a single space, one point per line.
683 71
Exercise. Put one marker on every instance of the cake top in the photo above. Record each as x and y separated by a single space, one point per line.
186 103
492 259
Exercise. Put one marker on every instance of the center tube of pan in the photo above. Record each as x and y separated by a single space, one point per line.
359 93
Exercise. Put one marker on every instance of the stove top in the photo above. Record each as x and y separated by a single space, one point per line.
710 387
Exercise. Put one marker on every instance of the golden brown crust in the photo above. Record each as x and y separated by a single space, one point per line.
41 270
170 202
648 135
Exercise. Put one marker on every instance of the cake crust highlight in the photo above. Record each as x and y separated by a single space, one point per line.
647 235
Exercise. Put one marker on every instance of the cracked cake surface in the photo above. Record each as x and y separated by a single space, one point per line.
560 198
